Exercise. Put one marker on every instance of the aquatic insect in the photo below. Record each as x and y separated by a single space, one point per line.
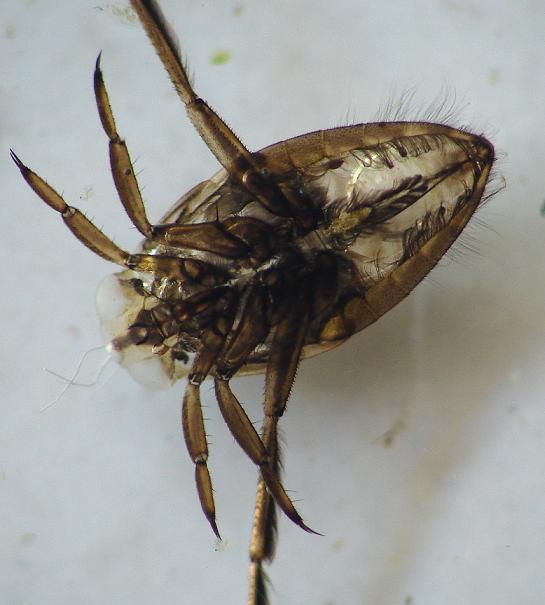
283 254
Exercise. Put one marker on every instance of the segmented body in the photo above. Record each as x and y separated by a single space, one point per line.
368 186
283 254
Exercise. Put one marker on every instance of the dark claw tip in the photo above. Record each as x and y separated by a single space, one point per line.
309 530
214 527
17 161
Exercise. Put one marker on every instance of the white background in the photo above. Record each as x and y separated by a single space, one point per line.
97 500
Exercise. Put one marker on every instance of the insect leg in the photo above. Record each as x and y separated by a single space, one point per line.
246 436
92 237
246 168
287 345
251 329
286 350
192 418
120 161
223 143
262 543
76 221
197 446
203 236
210 237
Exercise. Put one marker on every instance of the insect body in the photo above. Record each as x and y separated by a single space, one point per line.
283 254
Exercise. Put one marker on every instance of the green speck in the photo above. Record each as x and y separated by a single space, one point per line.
220 57
10 32
493 76
28 538
542 211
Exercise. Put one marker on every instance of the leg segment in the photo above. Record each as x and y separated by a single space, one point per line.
125 182
241 164
192 419
223 143
246 436
195 439
120 162
80 226
262 544
251 330
288 341
92 237
205 236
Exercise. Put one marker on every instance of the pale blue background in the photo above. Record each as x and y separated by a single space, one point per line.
97 503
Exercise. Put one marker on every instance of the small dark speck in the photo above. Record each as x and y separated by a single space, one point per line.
542 210
333 164
408 600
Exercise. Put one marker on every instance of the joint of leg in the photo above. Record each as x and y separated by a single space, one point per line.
195 379
266 463
225 374
68 212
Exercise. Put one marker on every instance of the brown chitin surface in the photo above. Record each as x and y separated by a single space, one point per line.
283 254
379 241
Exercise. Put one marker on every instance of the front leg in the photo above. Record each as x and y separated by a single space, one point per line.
76 221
